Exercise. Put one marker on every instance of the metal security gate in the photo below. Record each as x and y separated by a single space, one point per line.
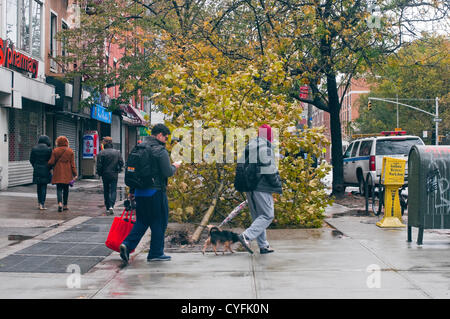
68 128
25 127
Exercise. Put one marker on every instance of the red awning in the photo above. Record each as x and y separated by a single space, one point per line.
132 116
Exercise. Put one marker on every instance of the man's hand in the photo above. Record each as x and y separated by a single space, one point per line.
177 164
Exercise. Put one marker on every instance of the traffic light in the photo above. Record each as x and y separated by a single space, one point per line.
369 105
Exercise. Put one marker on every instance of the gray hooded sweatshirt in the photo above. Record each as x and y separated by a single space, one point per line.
270 181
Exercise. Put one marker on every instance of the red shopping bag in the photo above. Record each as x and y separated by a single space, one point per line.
120 229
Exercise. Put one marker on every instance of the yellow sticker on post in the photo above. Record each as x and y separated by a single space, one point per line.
393 171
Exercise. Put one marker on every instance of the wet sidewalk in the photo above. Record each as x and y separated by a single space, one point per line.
350 257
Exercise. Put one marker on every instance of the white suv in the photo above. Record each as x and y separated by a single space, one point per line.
363 158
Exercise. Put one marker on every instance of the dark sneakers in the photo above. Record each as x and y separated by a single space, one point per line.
124 254
267 250
159 258
245 243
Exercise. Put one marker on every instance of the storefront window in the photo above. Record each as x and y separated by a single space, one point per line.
24 25
25 127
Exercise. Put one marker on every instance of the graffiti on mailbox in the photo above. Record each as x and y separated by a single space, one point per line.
437 185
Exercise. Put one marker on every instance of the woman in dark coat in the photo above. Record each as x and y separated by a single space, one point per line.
64 170
39 156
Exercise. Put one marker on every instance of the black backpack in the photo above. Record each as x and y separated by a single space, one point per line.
140 167
247 174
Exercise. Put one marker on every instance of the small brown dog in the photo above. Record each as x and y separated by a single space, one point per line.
217 236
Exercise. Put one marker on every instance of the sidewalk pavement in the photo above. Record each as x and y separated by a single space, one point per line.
350 257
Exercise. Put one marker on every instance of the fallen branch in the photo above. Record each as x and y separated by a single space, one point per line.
196 236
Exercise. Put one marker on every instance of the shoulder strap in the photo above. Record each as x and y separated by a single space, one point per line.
60 156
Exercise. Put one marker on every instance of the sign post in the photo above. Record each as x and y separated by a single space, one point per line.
393 177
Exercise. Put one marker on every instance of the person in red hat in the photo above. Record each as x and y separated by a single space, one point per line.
260 200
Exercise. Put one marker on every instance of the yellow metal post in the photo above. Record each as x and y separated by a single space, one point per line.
392 176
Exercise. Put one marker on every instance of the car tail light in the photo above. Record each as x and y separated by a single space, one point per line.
372 161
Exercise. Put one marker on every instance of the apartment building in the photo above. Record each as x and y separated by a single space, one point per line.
350 105
322 118
349 112
34 100
128 122
25 97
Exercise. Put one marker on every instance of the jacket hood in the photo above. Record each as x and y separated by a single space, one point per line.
265 157
259 141
44 139
62 141
153 140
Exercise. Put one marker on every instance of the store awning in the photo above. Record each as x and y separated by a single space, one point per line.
132 116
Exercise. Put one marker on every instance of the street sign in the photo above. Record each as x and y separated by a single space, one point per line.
437 119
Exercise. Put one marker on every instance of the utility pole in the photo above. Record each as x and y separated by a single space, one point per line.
435 116
437 120
397 111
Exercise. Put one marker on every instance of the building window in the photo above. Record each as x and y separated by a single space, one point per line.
24 25
53 46
24 18
36 27
64 27
115 72
11 20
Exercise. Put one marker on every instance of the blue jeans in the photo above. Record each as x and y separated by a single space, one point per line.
151 212
110 192
41 193
62 193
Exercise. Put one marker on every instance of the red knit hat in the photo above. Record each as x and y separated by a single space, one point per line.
265 131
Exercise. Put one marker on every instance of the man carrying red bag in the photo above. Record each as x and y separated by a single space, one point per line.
152 208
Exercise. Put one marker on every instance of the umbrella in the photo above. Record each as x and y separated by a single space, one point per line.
233 213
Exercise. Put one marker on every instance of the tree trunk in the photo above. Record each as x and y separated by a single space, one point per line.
338 187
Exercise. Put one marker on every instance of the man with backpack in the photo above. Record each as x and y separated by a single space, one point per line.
257 176
146 173
109 165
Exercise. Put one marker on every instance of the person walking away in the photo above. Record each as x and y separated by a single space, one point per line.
109 165
260 200
39 157
64 170
151 204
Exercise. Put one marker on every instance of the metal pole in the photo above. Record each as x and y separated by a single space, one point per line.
437 123
412 107
397 112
